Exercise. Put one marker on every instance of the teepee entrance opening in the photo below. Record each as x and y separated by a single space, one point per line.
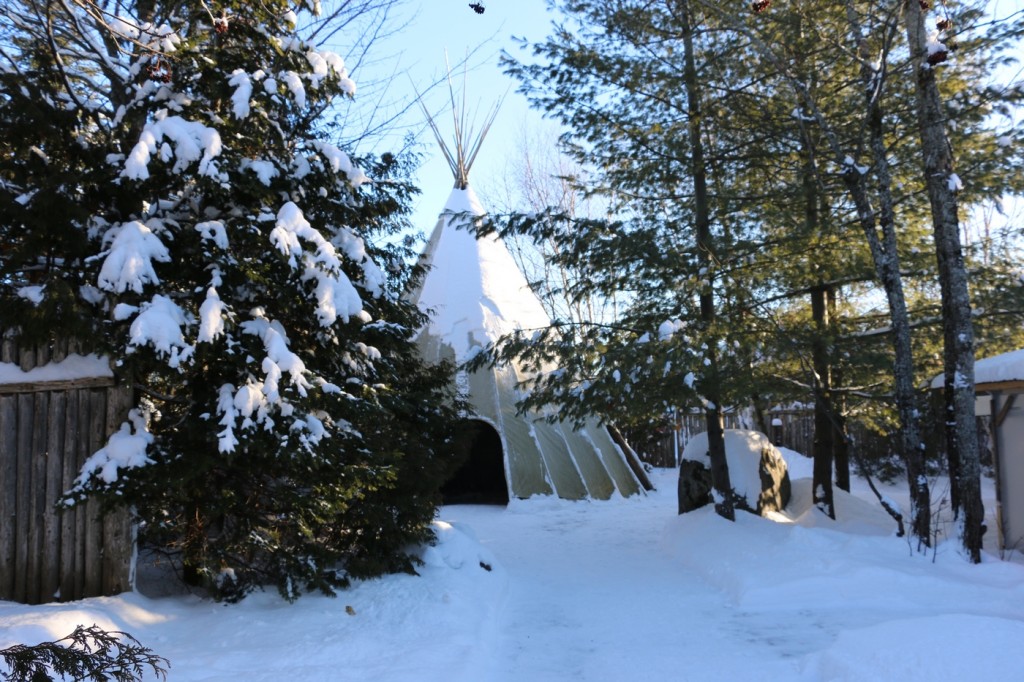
481 478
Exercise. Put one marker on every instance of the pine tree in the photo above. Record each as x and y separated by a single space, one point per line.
630 81
814 189
173 198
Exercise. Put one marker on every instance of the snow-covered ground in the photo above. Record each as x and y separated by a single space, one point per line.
549 590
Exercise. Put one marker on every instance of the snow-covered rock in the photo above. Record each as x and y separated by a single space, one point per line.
757 472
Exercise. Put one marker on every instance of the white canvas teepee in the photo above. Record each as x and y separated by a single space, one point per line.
476 294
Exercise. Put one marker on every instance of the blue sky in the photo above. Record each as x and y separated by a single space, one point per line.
416 55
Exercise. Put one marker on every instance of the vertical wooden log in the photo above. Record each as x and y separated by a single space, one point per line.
25 574
82 452
23 497
37 499
26 358
8 348
118 546
60 350
68 522
43 353
8 493
94 521
51 573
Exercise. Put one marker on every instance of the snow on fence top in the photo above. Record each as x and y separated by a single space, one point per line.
72 369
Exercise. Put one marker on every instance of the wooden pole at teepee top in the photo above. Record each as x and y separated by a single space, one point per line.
461 159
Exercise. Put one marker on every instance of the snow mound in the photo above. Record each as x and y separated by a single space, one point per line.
972 647
797 464
456 548
854 515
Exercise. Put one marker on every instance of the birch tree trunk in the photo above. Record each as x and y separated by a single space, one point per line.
957 325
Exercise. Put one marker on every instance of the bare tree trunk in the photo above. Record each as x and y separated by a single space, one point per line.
885 255
887 269
710 385
821 489
958 327
841 447
823 412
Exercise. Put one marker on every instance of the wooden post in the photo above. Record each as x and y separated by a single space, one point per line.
118 533
78 540
37 499
8 493
23 496
69 565
55 421
93 537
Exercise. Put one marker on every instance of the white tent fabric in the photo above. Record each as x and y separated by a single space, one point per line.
476 293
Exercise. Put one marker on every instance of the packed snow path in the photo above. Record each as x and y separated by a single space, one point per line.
594 593
627 591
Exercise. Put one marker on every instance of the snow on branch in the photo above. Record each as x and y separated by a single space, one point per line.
159 326
355 248
211 317
242 83
192 141
226 440
339 162
279 360
335 295
125 449
129 262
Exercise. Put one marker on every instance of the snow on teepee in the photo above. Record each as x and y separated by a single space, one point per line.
476 293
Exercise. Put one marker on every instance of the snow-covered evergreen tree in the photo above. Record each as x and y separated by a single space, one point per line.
169 195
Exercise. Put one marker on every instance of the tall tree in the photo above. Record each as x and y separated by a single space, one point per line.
942 185
661 251
707 254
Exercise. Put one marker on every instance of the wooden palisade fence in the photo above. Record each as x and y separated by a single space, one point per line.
793 429
48 428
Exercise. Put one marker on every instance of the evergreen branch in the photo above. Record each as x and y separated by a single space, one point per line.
87 653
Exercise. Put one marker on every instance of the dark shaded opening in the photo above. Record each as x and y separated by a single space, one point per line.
481 478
